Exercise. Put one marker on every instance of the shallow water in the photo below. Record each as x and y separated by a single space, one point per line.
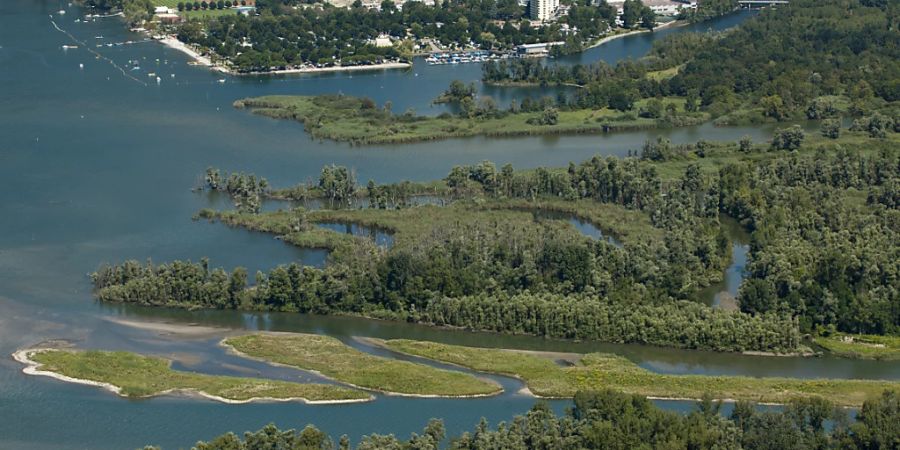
98 167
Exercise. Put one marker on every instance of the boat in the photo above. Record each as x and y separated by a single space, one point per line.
61 12
221 80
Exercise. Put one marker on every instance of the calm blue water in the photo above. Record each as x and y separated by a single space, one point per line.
98 167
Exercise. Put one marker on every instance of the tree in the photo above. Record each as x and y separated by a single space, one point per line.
831 128
549 116
880 125
746 144
788 138
653 110
648 18
773 106
181 6
631 13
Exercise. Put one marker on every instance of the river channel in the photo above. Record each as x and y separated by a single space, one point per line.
97 166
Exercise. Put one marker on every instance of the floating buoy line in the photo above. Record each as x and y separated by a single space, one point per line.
97 54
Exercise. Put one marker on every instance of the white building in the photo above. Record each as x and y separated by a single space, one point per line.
542 9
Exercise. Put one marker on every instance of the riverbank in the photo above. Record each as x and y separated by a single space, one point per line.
674 23
861 346
544 377
331 358
135 376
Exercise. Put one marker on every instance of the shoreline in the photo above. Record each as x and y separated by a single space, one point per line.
606 39
205 61
175 44
233 351
32 368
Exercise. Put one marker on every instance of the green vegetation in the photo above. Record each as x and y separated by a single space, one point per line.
821 217
605 371
343 363
777 66
360 121
144 376
864 346
611 420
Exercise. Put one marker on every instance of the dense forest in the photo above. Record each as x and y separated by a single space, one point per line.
810 59
610 420
825 240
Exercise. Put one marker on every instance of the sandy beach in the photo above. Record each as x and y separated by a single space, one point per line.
175 44
617 36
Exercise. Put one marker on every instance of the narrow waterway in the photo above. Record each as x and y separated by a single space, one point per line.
97 168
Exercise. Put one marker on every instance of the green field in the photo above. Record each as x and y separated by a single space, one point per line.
343 363
864 346
544 377
349 119
144 376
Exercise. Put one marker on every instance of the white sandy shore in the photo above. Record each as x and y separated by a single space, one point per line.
382 66
33 368
617 36
236 352
175 44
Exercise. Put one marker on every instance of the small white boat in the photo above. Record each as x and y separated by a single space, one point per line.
81 66
61 12
222 80
158 80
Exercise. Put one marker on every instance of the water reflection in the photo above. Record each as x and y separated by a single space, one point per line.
381 237
583 226
724 294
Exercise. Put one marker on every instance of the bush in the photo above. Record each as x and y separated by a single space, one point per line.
788 138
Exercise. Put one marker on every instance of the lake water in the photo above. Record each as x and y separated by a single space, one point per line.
98 167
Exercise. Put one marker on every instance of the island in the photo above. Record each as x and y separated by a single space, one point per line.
138 376
359 121
545 376
332 358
